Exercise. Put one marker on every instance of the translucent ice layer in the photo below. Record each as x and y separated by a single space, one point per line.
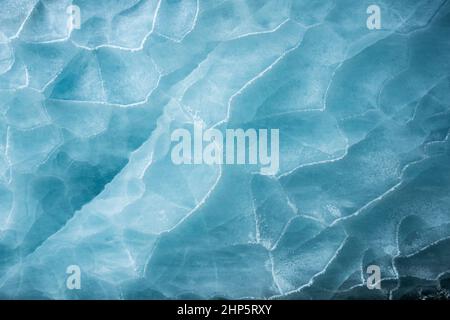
86 177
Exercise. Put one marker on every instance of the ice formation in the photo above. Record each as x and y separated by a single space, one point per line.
86 177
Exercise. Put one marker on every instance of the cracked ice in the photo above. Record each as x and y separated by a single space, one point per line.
86 176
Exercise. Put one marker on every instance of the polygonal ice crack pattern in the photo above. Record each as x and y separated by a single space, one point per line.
86 179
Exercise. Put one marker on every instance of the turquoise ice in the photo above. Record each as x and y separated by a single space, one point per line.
86 177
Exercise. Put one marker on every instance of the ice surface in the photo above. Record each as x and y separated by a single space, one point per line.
86 176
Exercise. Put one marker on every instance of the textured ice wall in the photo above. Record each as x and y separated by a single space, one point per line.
86 177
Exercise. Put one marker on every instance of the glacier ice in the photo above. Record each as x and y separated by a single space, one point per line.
86 176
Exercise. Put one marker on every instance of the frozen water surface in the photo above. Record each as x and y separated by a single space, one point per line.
86 176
